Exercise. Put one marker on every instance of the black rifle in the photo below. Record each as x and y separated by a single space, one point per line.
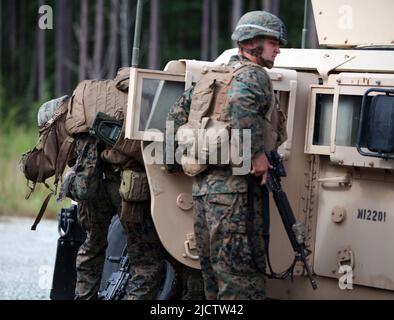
293 228
117 283
106 128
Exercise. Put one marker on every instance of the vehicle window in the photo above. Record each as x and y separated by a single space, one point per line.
158 96
349 107
323 117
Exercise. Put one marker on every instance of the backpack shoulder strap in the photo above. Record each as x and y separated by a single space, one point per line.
66 149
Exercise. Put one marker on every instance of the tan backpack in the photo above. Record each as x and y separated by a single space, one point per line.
107 96
208 126
90 97
122 79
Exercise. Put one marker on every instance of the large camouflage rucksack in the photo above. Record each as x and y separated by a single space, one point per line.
61 120
54 148
53 151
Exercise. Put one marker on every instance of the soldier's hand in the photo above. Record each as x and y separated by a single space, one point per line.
260 167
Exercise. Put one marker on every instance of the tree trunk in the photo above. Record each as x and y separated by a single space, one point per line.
214 29
113 39
83 40
41 61
63 43
272 6
236 13
12 22
31 86
10 33
22 58
1 39
154 29
252 5
98 39
205 30
125 9
1 44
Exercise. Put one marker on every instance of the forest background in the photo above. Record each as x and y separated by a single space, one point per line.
91 39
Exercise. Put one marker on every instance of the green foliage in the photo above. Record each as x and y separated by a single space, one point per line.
13 186
292 14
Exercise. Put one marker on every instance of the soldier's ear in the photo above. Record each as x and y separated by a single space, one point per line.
248 44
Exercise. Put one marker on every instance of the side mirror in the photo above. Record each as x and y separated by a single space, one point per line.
380 125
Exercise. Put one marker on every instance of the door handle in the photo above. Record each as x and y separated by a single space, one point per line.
345 180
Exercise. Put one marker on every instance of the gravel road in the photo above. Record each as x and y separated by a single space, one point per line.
26 258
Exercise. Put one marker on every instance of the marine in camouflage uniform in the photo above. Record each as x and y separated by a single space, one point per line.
144 247
228 223
94 184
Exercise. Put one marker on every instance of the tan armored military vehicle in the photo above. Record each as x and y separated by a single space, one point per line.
338 156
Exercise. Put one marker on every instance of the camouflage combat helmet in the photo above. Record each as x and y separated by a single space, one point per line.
259 23
47 109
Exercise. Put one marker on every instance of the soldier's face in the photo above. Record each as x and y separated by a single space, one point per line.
271 50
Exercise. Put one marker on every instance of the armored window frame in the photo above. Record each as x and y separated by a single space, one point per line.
137 76
342 155
310 147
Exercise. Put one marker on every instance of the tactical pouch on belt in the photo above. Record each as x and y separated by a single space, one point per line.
134 186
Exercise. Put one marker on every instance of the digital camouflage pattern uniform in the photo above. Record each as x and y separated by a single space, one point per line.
228 232
144 248
94 184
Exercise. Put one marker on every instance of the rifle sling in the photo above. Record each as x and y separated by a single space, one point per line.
266 228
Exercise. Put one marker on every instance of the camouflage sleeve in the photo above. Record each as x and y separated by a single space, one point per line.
85 182
179 112
249 100
176 117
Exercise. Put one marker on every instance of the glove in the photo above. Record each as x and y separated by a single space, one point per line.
68 176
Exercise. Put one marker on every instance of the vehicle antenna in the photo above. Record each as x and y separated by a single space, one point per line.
137 35
304 29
